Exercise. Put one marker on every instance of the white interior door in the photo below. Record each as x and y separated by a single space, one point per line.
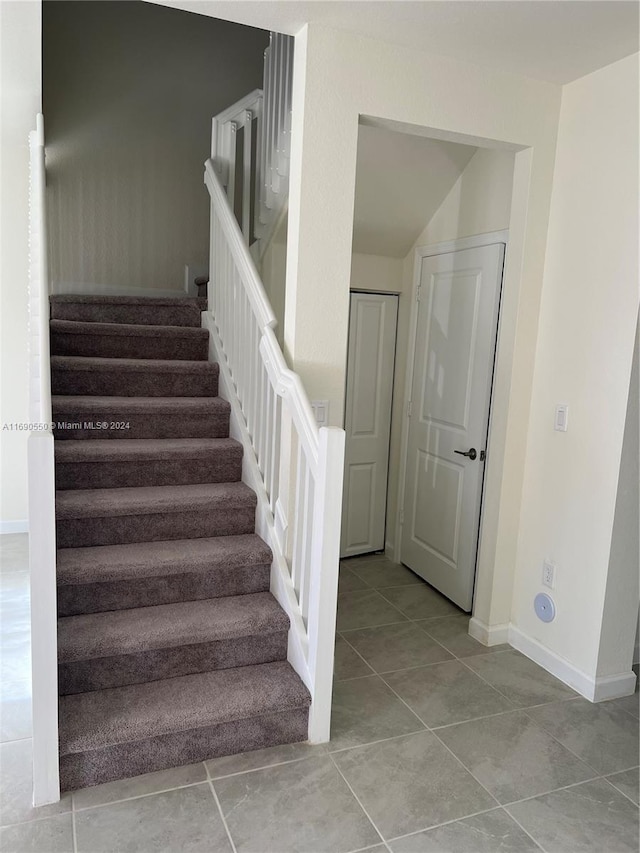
459 296
370 365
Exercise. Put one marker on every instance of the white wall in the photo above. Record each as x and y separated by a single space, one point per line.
478 202
340 77
20 93
129 92
583 358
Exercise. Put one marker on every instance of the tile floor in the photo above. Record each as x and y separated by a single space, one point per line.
438 744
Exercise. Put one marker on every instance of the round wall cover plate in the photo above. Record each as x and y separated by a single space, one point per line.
544 607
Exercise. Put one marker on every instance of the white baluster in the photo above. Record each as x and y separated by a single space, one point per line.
247 176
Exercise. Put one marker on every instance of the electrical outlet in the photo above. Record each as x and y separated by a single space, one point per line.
548 573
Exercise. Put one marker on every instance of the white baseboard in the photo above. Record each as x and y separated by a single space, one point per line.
19 526
493 635
593 689
614 686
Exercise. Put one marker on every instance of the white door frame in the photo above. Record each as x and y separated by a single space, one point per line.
488 239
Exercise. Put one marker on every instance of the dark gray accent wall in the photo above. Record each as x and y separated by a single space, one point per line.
129 92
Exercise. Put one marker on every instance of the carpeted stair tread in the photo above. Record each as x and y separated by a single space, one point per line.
137 310
125 632
102 718
90 406
150 500
85 417
96 299
127 330
128 340
143 449
133 377
107 563
91 364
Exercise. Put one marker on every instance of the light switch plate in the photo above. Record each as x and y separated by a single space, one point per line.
561 420
321 412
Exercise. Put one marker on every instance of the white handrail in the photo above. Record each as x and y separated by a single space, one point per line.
299 468
41 483
255 290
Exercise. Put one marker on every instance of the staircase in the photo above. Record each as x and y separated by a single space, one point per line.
171 649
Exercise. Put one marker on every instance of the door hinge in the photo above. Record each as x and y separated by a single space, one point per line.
409 408
418 292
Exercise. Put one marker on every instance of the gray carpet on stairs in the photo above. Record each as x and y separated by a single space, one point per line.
162 462
171 648
126 731
138 310
81 417
132 377
124 340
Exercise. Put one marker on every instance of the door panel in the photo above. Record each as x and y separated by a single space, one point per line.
370 365
451 389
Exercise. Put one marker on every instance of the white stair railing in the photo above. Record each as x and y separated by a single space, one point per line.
250 146
295 468
41 479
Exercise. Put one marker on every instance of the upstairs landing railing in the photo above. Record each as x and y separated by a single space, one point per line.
250 147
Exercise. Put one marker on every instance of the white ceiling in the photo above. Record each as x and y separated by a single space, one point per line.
553 40
401 181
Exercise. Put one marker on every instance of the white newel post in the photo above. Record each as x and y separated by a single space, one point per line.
324 577
41 486
44 653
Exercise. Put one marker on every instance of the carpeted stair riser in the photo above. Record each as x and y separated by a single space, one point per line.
79 418
92 580
171 649
76 599
125 731
132 378
137 310
125 647
112 340
118 530
122 761
211 467
111 475
122 670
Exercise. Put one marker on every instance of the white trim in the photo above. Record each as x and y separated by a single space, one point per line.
20 525
462 243
614 686
44 622
594 689
421 252
493 635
